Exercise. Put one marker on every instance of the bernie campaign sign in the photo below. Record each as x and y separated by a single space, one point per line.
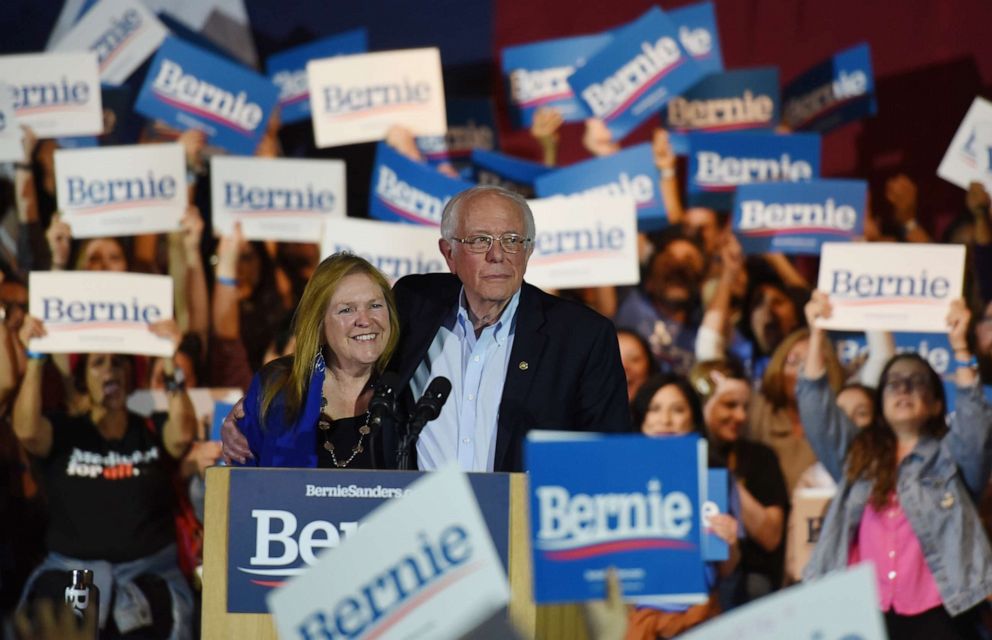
56 94
11 134
969 157
471 126
630 172
721 162
280 521
836 91
288 70
406 191
189 88
633 77
631 511
537 74
122 34
699 35
798 218
499 169
731 101
394 248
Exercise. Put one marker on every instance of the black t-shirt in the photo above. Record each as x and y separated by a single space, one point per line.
108 500
758 467
344 435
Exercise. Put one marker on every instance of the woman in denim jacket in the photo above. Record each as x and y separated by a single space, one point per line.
907 486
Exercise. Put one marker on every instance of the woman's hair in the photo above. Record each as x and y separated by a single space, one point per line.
872 455
78 261
773 382
308 327
79 371
645 347
642 401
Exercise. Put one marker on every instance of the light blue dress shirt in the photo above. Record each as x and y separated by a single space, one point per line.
465 430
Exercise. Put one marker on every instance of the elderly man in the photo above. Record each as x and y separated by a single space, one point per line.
517 358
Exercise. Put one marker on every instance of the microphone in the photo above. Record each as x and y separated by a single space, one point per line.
383 402
429 405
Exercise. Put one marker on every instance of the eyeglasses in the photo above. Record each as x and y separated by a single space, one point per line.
917 382
483 242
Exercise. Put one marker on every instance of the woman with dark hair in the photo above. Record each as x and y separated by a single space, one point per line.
311 409
637 359
907 486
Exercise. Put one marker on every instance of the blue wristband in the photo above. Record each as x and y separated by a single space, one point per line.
34 355
231 282
971 363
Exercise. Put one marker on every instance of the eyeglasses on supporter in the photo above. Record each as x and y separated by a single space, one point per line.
917 382
483 242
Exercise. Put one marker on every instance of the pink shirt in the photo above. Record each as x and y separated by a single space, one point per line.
886 539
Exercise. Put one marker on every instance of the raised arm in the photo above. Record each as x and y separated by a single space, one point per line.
901 193
180 428
32 428
197 299
665 160
544 129
713 335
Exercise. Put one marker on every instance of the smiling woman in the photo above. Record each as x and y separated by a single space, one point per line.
311 409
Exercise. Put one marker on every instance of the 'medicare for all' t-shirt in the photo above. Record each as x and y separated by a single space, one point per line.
108 499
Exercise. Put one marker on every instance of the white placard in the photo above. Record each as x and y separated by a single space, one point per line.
11 134
890 286
841 606
276 198
145 402
99 312
56 94
122 33
584 241
357 98
395 248
424 567
121 190
969 157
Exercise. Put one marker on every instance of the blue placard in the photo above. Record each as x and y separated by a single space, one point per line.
537 75
720 162
637 508
494 168
221 409
699 35
471 126
288 70
634 76
406 191
836 91
797 218
731 101
717 484
189 88
630 172
280 519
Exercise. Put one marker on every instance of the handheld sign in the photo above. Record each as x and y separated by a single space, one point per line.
717 483
798 218
537 74
11 134
836 91
629 511
286 199
406 191
394 248
584 241
100 312
731 101
121 190
122 34
357 98
471 126
425 561
630 172
809 506
841 606
721 162
499 169
190 88
699 36
56 94
890 286
633 77
288 70
969 157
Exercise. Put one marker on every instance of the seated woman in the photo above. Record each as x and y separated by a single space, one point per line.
666 405
725 391
907 486
311 409
108 475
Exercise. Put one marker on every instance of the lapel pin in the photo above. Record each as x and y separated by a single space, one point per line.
948 500
523 365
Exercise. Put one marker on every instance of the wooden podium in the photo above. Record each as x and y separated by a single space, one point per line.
559 621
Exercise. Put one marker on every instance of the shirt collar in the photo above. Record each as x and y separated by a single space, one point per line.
501 328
